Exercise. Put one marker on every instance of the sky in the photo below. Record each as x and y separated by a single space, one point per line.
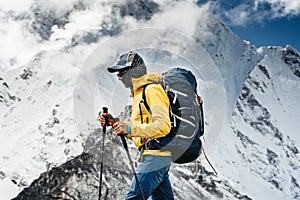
262 22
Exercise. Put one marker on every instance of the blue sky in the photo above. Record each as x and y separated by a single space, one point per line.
262 22
278 32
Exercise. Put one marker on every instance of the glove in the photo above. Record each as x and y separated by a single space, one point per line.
110 118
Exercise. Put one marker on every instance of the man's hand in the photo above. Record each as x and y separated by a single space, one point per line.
120 128
102 117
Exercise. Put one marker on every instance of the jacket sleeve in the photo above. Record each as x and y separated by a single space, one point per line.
160 124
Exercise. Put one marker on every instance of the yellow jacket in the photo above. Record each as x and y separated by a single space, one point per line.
158 123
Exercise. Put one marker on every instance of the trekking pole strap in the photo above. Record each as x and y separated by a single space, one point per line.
209 161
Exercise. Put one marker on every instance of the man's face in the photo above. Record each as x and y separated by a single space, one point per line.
124 75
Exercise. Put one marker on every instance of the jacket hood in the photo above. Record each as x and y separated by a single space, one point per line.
145 80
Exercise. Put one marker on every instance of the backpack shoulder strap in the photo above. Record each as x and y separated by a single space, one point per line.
144 99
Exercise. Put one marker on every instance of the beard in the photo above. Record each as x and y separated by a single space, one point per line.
127 80
135 72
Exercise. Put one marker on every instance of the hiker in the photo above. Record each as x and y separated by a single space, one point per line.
152 165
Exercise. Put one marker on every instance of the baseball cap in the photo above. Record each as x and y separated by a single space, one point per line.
126 60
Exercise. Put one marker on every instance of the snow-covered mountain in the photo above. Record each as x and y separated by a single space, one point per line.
50 141
265 137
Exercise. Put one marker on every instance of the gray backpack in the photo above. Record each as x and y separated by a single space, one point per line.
186 115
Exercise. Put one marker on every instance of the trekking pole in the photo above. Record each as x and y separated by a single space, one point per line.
105 110
131 164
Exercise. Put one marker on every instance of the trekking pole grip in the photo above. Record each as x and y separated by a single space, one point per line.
105 110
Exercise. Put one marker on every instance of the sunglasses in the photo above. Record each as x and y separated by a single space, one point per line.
122 72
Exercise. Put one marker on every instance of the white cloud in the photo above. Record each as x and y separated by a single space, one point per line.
179 16
281 8
80 22
19 44
15 40
57 7
239 15
16 6
258 11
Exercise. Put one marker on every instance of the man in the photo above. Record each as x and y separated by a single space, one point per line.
153 165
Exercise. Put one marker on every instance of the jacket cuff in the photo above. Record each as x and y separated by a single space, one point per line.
128 129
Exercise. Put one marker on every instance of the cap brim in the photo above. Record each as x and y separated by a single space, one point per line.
116 68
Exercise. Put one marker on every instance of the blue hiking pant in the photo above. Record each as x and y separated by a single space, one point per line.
153 176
